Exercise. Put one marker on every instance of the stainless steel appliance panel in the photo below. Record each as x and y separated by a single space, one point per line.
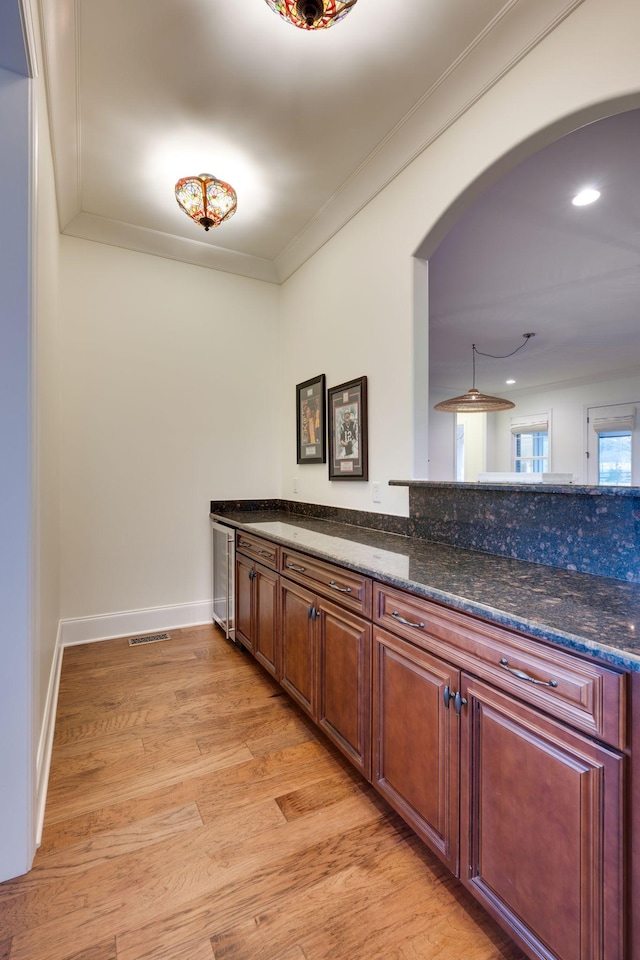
224 563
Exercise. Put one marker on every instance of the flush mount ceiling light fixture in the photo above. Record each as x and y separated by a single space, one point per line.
475 402
206 199
312 14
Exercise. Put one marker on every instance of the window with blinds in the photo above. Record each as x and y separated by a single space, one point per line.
530 444
614 428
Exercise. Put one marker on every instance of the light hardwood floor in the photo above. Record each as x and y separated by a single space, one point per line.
194 813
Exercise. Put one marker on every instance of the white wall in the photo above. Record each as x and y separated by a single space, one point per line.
344 314
29 535
567 406
349 310
169 399
16 743
46 438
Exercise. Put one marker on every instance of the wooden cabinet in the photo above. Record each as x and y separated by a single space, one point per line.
298 675
541 805
266 632
257 621
415 765
584 694
541 844
349 589
504 754
245 603
326 668
263 551
344 681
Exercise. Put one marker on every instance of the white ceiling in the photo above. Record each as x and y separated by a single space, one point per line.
307 126
523 259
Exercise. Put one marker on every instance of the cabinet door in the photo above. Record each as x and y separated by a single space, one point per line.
297 607
245 575
266 619
416 737
344 682
541 835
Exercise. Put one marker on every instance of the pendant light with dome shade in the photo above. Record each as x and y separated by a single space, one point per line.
475 402
312 14
207 200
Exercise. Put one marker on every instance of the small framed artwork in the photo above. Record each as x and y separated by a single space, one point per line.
348 454
310 420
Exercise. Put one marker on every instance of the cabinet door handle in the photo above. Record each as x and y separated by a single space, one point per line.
407 623
265 553
459 702
252 574
292 566
334 586
447 696
312 612
504 663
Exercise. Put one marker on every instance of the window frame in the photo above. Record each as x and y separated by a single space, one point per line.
538 426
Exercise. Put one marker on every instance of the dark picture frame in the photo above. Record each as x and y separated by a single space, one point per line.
348 431
311 414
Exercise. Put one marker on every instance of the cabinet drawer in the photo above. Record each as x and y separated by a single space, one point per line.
258 549
345 587
583 693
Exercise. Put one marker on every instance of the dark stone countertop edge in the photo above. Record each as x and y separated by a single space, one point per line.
571 489
567 639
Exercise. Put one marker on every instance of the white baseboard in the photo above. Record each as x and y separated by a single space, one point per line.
130 622
45 744
90 630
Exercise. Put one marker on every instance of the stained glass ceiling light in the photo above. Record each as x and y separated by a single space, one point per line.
206 199
312 14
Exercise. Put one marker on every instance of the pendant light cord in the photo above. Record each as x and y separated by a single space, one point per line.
501 356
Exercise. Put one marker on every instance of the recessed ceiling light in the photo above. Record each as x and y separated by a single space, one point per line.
509 381
586 196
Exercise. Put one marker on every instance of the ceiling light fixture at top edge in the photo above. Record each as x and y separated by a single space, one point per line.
312 14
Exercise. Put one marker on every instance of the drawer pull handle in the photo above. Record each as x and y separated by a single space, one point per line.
525 676
334 586
265 553
292 566
243 543
407 623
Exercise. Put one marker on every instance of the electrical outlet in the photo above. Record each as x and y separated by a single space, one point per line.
295 485
375 492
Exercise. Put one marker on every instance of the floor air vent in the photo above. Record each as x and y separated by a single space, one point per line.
152 638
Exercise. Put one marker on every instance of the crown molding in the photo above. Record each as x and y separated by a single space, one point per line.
512 34
87 226
515 31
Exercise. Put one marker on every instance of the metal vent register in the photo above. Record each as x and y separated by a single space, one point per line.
152 638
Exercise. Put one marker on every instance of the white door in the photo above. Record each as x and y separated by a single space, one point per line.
613 445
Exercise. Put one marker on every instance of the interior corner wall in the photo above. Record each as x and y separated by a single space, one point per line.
349 309
169 382
46 439
16 727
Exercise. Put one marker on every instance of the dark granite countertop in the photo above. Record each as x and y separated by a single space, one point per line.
566 489
596 616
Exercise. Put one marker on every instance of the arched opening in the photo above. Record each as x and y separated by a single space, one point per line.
583 264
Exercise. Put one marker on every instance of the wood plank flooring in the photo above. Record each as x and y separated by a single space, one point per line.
194 813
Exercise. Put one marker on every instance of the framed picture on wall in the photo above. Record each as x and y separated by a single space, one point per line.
310 420
348 453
